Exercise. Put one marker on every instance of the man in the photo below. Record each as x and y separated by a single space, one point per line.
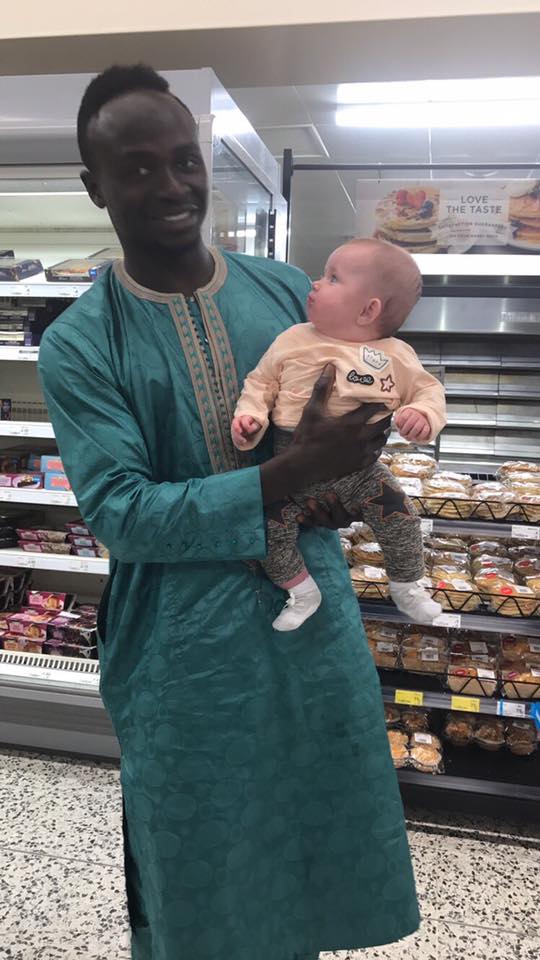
262 814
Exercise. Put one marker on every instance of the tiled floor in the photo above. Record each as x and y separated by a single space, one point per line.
61 881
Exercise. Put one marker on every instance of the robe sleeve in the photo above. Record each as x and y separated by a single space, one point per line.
105 456
422 391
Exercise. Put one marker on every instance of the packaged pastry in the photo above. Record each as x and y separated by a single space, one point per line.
411 486
492 504
449 478
370 583
474 676
79 528
438 485
489 733
77 271
527 567
29 624
425 753
367 552
521 738
31 546
489 581
451 505
456 593
417 459
459 729
386 458
484 561
411 471
528 506
391 714
533 583
346 546
13 269
415 721
460 561
430 657
51 536
521 680
447 544
45 600
385 653
398 748
526 649
518 466
495 548
511 599
22 481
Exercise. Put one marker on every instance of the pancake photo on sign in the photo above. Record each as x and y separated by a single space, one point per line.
524 215
408 218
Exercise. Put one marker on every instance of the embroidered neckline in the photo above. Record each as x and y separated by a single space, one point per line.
143 293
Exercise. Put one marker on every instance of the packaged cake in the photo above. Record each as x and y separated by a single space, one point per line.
13 269
84 270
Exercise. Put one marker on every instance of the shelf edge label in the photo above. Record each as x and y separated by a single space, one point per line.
412 698
465 704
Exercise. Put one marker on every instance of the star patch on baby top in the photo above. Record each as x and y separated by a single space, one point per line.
374 358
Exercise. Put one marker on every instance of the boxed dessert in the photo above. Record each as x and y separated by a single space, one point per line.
51 464
13 269
56 481
55 602
84 270
22 481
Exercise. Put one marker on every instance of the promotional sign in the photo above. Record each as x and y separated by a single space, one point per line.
451 216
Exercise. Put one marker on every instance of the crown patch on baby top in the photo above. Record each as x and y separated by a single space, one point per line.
374 358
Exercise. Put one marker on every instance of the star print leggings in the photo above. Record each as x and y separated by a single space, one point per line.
372 495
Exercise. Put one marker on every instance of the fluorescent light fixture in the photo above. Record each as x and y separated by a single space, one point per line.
499 102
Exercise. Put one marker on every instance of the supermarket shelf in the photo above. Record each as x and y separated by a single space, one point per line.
439 700
490 395
38 498
467 785
481 528
49 672
19 353
519 626
39 286
53 561
510 363
22 428
477 424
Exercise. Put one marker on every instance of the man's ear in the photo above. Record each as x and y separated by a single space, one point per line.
92 188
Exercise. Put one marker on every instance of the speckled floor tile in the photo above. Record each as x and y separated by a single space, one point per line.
59 946
471 824
42 895
457 942
478 883
61 807
421 946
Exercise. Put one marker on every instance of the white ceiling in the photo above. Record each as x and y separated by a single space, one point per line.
303 118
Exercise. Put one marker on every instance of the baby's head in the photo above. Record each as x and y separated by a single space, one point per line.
367 291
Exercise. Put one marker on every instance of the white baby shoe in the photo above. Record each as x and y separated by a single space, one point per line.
413 600
303 601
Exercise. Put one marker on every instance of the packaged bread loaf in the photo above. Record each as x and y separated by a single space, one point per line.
511 599
521 680
367 552
528 506
418 460
525 649
428 655
411 471
484 561
452 504
447 544
493 502
383 640
518 466
474 675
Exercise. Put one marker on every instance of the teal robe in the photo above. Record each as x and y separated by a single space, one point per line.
262 812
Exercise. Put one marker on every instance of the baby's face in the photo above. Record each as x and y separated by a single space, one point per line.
338 299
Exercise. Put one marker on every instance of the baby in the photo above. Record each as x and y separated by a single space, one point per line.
368 289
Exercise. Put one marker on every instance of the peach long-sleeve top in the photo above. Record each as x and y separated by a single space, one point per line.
382 371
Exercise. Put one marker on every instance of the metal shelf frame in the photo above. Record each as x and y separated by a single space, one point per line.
519 626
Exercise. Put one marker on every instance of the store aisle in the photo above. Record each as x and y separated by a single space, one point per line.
61 882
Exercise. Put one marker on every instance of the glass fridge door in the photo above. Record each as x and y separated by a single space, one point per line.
241 205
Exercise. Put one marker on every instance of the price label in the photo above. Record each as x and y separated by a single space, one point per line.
60 499
7 495
466 704
525 533
452 620
427 525
29 563
28 353
507 709
413 698
79 566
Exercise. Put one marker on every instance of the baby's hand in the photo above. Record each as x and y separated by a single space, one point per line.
242 428
413 425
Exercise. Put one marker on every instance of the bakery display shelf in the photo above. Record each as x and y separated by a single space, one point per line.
458 602
450 508
423 690
479 424
510 363
23 428
54 561
490 395
19 353
39 286
518 626
481 528
451 784
46 671
37 498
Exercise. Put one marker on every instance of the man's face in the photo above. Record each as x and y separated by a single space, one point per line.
148 170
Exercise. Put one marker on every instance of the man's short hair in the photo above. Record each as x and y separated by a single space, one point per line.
112 83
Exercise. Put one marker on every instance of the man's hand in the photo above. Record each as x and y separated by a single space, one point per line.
413 425
243 428
323 447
